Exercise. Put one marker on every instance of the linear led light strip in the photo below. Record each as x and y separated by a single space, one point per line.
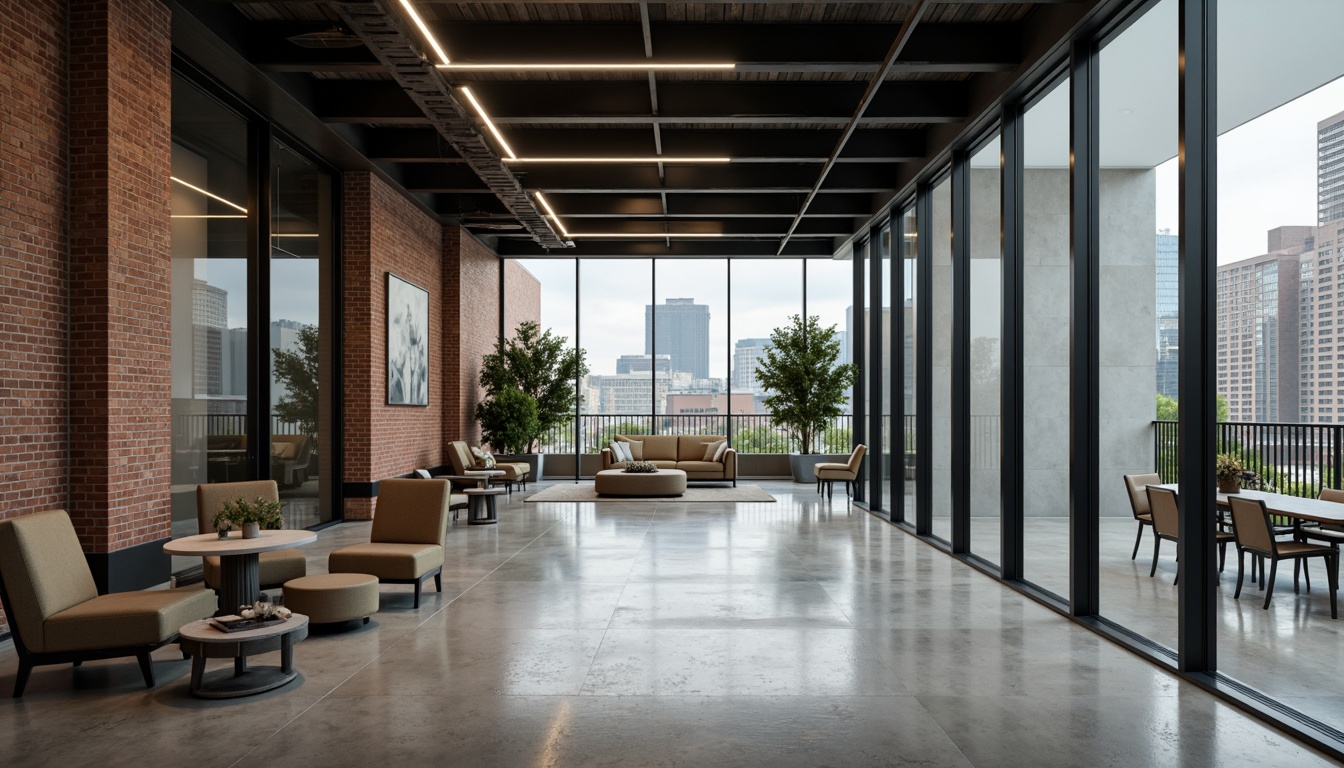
631 159
209 194
551 212
424 30
471 97
636 66
649 235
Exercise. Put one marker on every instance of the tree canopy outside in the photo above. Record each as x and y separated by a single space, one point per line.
297 370
1169 409
806 384
540 365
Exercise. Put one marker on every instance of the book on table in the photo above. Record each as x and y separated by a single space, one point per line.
234 623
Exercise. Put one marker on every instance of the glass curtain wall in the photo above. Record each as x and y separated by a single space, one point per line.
941 348
890 459
909 301
300 345
1138 183
210 284
765 294
546 290
1045 341
1280 244
622 391
830 292
986 329
690 337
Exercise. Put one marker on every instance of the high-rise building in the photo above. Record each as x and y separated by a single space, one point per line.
1259 306
1321 287
633 393
1168 314
747 355
1330 169
642 364
680 329
210 320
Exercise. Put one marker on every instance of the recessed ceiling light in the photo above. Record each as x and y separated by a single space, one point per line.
424 30
471 97
635 66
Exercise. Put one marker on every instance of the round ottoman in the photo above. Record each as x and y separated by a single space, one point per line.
664 482
330 598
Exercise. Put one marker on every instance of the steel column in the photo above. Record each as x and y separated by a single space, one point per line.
896 349
924 361
1084 399
856 345
961 352
874 317
1011 471
1198 265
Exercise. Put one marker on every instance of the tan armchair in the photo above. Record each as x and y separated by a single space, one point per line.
828 472
276 567
56 614
290 457
406 543
459 455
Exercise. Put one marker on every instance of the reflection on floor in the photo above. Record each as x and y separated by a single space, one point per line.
795 633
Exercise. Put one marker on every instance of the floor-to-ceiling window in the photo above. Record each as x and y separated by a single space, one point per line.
830 292
907 306
547 289
625 386
986 330
1137 188
764 294
940 300
211 193
228 255
1045 340
688 328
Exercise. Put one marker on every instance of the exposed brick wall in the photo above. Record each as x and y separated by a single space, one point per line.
33 273
522 296
471 326
120 251
384 232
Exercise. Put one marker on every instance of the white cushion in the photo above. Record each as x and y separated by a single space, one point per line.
722 449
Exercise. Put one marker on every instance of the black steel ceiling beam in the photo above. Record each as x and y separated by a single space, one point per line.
412 144
387 35
730 177
743 227
866 103
676 248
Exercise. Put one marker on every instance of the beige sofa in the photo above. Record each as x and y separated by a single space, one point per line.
684 452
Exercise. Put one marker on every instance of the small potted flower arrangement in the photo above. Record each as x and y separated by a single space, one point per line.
250 516
1230 472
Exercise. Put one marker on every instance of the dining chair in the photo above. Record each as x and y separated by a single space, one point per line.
1255 534
1330 533
1136 486
1165 507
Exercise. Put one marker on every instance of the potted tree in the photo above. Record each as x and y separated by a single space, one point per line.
544 368
807 386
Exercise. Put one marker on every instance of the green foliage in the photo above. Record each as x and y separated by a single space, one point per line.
1170 410
509 420
297 370
837 439
806 385
1229 467
539 365
757 439
240 511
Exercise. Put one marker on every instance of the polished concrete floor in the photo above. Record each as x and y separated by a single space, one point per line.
672 634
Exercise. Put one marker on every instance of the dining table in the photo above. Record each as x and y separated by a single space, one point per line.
1296 507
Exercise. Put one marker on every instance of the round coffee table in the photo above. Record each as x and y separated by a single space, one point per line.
239 566
202 641
616 482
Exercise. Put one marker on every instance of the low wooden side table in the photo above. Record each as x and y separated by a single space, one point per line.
202 641
481 509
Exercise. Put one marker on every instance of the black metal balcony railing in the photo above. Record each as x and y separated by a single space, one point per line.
192 429
751 433
1296 459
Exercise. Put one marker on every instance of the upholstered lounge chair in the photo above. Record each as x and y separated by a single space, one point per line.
406 543
56 614
459 455
276 567
828 473
290 457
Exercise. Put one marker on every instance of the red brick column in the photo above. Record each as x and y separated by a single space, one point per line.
120 251
384 232
471 326
33 248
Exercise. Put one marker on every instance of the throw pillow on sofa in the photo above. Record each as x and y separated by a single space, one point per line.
634 450
483 459
721 450
618 452
712 450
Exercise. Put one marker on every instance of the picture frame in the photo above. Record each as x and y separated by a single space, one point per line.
407 343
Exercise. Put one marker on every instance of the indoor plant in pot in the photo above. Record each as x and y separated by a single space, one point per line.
541 366
807 386
250 516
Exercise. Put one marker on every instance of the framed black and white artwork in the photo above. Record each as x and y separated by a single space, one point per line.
407 343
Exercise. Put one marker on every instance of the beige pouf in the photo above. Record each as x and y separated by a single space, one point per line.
664 482
329 598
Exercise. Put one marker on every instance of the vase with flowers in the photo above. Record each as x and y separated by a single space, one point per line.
1230 471
250 516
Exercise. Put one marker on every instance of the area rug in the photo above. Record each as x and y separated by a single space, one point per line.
572 492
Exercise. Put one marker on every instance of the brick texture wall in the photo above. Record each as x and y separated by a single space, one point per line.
120 251
384 232
522 296
33 273
471 326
